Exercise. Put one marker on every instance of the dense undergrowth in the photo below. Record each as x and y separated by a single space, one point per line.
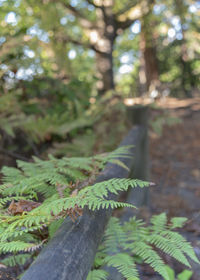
37 196
58 125
134 242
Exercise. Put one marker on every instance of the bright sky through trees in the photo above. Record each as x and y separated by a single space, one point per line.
56 41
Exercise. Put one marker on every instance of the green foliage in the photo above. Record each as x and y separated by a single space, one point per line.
41 124
53 106
124 264
59 125
184 275
97 275
54 226
175 69
124 244
20 259
65 187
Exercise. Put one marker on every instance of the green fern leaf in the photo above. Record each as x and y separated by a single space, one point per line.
124 264
168 247
181 243
97 275
20 259
149 256
177 222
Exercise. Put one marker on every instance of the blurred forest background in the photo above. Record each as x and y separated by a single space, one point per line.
67 66
70 68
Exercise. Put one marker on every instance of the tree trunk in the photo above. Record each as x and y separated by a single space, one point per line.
151 67
148 73
103 39
104 65
142 73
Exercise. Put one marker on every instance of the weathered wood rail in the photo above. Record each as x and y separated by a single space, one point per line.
70 253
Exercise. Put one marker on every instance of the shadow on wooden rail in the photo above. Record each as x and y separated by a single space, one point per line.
70 253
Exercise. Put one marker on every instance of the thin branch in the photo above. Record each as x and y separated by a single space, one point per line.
125 24
86 45
69 39
93 4
85 22
73 10
131 14
78 42
126 8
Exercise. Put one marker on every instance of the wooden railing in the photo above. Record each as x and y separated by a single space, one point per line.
69 255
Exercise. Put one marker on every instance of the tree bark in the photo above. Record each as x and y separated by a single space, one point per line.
104 66
148 73
103 39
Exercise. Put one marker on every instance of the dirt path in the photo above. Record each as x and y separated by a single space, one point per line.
175 168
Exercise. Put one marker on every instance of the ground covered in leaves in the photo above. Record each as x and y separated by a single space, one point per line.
175 168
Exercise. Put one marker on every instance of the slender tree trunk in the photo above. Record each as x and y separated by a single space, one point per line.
105 36
104 65
151 66
142 72
148 73
186 77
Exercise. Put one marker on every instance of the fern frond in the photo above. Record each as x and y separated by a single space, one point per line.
20 259
136 230
19 225
169 247
181 243
11 174
149 256
15 246
177 222
54 226
97 274
78 163
121 152
124 264
113 186
5 200
97 204
94 197
125 244
114 237
99 257
159 222
120 163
